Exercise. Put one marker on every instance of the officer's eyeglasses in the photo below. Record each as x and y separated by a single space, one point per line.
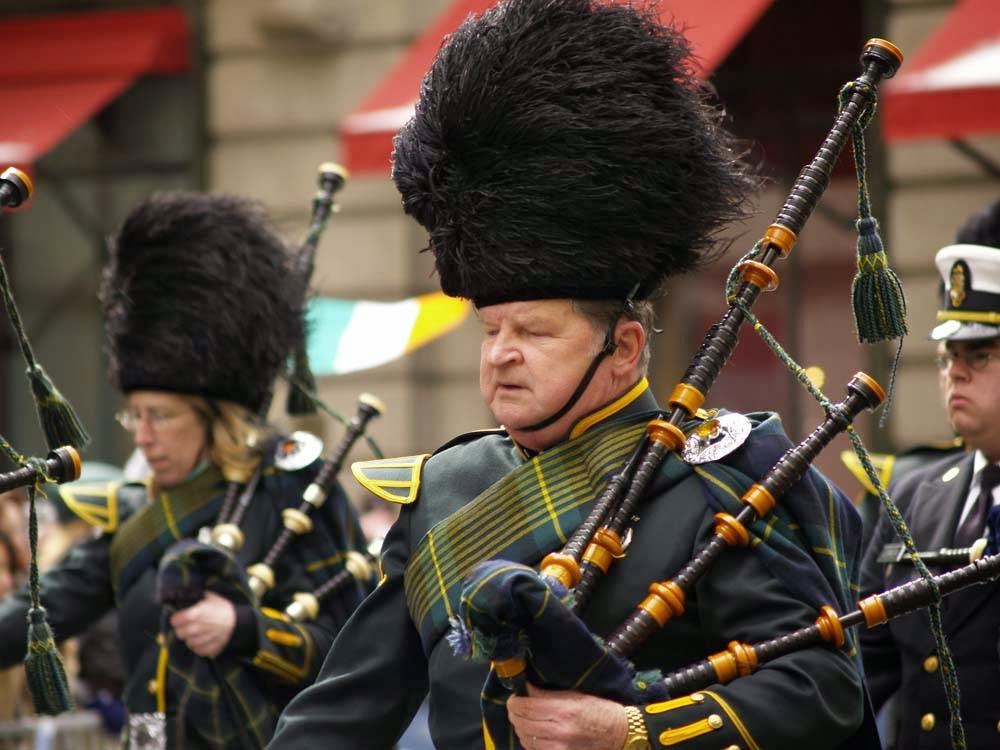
129 419
977 359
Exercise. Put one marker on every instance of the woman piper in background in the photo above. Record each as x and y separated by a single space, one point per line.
201 308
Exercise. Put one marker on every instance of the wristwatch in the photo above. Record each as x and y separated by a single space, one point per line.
637 738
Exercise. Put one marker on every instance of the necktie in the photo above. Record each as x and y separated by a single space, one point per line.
975 522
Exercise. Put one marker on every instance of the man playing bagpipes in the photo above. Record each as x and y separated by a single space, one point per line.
564 162
201 310
947 504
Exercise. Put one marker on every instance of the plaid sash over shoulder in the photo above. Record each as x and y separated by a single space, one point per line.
525 515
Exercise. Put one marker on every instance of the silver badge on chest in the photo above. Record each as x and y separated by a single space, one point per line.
147 731
715 438
297 451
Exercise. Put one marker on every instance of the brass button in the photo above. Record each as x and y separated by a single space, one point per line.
151 687
927 722
931 664
697 697
732 747
715 721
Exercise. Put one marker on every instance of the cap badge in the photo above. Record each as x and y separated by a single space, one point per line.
957 281
297 451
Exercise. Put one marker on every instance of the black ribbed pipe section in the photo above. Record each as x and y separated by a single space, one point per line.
326 477
878 63
610 498
862 393
897 601
590 574
796 460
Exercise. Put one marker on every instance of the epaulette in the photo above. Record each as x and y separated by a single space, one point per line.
886 463
97 503
394 479
882 463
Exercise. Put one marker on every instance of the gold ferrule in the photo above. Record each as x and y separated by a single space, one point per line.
372 402
888 46
359 566
261 578
229 536
687 397
868 380
509 667
733 532
829 626
337 169
25 178
724 664
758 498
873 610
603 549
744 657
780 237
666 434
73 453
296 521
665 600
314 495
561 567
759 274
304 607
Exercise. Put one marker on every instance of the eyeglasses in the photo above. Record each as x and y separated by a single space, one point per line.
129 419
976 360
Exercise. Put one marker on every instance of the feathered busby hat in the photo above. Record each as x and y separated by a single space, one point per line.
199 298
565 148
970 276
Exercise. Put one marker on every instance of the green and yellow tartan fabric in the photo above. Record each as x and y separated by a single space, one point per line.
525 515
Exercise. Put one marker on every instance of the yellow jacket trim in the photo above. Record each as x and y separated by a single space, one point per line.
615 406
379 475
488 743
275 614
733 717
283 638
94 502
686 732
283 667
670 705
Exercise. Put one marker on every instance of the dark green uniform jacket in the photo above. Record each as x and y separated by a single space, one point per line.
270 656
379 670
901 655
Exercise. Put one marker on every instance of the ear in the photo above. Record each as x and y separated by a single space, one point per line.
630 340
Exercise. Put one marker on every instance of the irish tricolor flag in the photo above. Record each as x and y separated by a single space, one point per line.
349 335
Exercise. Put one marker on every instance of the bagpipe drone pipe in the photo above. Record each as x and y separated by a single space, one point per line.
527 623
64 434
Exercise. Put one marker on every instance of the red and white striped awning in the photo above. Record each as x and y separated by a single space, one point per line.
950 88
714 27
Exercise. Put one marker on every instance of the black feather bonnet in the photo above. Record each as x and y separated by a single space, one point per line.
199 298
565 148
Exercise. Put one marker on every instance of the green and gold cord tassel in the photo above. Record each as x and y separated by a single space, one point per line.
43 666
879 303
59 422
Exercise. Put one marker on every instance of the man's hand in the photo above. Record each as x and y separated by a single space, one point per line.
207 626
566 720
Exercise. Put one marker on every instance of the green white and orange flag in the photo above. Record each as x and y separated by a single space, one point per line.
349 335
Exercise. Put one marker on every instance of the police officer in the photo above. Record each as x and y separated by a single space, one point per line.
946 504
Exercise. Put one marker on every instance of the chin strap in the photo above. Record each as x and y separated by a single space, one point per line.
609 346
